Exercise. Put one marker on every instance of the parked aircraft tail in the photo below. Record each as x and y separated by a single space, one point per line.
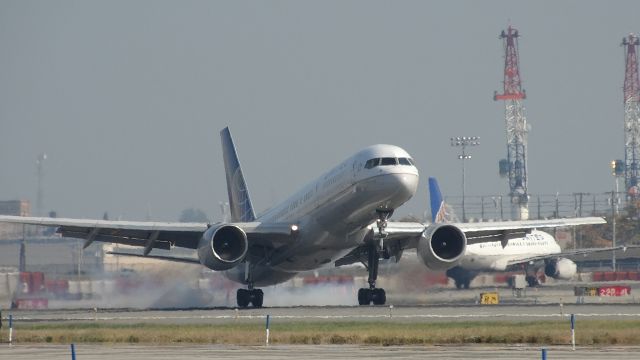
437 203
239 201
441 212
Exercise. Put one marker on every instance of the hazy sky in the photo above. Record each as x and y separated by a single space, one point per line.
127 98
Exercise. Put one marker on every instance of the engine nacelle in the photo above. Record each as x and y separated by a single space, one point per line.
442 246
563 269
222 247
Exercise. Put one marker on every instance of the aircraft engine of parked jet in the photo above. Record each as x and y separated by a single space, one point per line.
563 269
222 247
441 246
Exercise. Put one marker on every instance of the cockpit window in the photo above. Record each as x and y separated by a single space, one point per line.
371 163
388 161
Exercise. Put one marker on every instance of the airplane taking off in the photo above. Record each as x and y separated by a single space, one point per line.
340 218
534 251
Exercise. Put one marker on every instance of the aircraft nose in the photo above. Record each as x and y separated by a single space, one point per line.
404 186
408 184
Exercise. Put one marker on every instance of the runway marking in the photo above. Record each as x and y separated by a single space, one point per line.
320 317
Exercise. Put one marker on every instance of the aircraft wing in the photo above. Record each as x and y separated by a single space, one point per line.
161 235
408 232
500 230
505 230
568 253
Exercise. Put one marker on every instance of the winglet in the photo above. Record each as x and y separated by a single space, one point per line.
437 203
239 202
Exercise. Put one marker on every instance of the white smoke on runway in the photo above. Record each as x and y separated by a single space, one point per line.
181 286
163 286
324 294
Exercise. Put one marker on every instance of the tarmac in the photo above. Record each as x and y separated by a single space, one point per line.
333 352
551 303
516 312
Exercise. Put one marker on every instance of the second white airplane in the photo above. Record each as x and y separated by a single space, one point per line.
340 218
530 251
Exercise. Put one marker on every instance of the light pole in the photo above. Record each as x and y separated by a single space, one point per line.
39 196
617 170
463 142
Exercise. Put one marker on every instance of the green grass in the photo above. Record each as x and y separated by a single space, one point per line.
588 332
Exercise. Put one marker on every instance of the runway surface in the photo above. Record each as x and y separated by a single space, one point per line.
349 313
333 352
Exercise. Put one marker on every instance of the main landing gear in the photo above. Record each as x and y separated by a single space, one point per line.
531 275
372 294
532 280
375 295
252 296
460 276
246 296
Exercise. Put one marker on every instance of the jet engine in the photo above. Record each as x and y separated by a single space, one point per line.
441 246
563 269
222 247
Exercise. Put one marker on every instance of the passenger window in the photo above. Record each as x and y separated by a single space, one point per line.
404 161
371 163
388 161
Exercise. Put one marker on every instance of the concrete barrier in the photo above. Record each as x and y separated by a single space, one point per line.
74 290
85 289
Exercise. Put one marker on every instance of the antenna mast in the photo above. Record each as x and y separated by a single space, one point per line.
631 116
514 167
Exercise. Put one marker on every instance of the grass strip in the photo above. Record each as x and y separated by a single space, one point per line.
588 332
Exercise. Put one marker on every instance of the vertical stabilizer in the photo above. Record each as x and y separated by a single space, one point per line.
438 211
239 202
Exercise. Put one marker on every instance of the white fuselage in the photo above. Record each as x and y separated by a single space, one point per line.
334 211
491 256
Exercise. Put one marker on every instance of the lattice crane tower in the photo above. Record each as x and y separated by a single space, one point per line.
631 116
515 165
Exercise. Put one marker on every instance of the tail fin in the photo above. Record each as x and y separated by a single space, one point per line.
438 211
239 202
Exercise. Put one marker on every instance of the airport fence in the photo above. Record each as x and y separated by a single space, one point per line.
541 206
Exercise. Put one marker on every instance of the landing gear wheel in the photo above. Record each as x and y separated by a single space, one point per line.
364 297
243 298
379 297
256 298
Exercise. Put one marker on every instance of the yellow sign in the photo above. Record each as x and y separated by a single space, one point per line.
585 291
490 298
